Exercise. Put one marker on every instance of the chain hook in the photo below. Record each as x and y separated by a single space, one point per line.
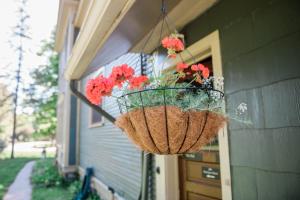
163 7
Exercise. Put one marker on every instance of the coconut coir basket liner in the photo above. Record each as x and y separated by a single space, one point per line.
169 130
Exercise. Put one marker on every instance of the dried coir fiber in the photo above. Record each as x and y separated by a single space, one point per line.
169 130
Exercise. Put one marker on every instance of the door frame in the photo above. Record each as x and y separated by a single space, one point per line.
167 180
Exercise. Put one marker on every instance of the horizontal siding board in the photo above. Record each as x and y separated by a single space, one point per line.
261 101
261 184
272 149
117 162
269 25
255 111
276 61
284 96
277 186
245 178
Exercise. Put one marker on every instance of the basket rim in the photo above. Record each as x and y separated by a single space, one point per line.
172 88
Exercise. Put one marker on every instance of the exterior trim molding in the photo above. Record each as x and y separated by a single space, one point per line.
97 124
205 47
65 8
102 19
83 9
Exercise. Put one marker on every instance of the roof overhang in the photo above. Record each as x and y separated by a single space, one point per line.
102 18
102 38
65 7
83 7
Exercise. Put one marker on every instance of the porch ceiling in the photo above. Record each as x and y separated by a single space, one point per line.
132 32
128 32
139 21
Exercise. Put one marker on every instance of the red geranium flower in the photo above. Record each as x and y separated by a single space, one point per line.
172 43
205 72
122 73
97 88
138 82
198 67
181 66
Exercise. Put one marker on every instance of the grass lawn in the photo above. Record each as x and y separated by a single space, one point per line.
51 193
9 170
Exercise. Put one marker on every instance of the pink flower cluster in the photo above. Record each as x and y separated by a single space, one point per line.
120 74
97 88
199 71
201 68
138 82
172 43
101 86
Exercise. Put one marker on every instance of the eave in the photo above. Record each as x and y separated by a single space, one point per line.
103 17
65 6
83 8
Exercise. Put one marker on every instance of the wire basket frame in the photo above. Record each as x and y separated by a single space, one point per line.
162 126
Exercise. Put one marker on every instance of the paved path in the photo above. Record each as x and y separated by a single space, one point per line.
21 187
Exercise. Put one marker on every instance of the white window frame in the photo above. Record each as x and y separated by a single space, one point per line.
167 182
97 124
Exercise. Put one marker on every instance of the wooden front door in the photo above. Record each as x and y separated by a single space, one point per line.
200 177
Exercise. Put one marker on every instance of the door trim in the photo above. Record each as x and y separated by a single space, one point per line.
167 182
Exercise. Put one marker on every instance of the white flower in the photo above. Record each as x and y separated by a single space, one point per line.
242 108
219 82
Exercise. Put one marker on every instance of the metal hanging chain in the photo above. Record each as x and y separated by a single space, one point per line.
165 22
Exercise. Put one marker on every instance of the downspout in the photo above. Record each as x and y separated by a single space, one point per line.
85 100
144 158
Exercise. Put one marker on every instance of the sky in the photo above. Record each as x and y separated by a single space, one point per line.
42 21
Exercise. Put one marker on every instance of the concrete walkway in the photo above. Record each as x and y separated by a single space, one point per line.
21 187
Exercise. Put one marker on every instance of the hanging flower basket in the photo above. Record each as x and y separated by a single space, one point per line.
167 113
167 128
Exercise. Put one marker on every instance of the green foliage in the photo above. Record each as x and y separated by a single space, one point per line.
94 196
45 174
182 98
74 187
51 193
43 93
177 89
45 178
47 182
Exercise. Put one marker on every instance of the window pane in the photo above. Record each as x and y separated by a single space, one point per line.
96 117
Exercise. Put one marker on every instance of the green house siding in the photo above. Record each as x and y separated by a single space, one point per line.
117 163
260 46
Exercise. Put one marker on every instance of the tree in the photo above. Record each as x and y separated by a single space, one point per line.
20 31
43 93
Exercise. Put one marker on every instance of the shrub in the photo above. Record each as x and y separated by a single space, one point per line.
45 174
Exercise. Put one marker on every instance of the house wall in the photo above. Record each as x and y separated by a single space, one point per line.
260 46
116 162
66 109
